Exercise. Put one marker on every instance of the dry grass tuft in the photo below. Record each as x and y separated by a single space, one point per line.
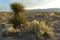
10 30
52 14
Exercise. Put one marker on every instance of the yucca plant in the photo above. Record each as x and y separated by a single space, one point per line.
18 20
17 7
18 17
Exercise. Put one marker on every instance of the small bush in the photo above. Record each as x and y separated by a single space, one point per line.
40 15
35 22
35 27
50 32
40 29
9 31
52 14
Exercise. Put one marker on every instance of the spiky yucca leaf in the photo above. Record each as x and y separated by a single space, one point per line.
17 7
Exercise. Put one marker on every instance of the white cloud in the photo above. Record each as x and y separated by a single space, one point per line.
33 3
53 4
44 5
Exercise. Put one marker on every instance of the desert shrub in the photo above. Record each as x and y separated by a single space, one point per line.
50 32
52 14
40 29
9 31
35 28
34 22
40 15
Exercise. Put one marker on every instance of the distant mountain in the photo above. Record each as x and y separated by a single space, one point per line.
33 10
44 10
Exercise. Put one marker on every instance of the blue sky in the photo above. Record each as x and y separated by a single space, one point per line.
30 4
4 5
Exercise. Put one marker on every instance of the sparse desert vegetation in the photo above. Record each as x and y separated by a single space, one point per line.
29 25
